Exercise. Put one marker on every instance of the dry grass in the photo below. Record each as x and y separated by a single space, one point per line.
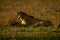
41 9
28 31
47 10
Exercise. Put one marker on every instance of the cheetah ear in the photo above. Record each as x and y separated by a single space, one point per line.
17 13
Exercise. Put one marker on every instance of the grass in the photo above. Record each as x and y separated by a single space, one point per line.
28 33
41 9
33 38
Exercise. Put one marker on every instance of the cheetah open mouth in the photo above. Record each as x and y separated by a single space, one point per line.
23 21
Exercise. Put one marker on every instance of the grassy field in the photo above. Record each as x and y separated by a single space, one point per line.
41 9
29 33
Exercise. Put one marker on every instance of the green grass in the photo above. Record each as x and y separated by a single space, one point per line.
33 38
7 32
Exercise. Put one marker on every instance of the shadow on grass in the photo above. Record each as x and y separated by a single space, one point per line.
33 38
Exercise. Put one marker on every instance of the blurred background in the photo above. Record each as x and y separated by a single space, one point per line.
41 9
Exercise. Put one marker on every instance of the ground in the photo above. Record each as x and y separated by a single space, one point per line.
41 9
